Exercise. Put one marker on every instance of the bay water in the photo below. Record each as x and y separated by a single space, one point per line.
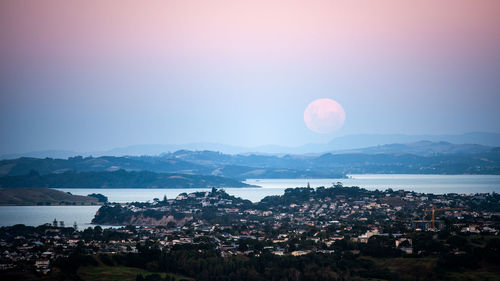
82 215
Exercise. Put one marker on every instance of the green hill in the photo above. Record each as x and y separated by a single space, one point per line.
42 196
117 179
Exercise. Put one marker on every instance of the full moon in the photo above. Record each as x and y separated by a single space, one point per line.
324 116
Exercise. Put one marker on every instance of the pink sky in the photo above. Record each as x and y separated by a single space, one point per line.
276 31
242 72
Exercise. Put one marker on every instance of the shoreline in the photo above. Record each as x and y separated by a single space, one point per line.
51 205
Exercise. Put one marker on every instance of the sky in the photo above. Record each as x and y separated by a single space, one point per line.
93 75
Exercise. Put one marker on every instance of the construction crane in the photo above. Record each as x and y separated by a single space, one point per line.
434 209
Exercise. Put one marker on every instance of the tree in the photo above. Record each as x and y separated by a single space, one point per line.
100 197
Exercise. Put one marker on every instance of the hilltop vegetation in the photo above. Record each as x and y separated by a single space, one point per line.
238 167
185 169
415 158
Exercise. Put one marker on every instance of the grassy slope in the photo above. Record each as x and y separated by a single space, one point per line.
409 268
425 269
104 272
33 196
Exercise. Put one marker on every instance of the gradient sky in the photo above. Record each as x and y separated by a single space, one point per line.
92 75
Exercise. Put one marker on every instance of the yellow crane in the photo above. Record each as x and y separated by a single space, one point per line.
434 209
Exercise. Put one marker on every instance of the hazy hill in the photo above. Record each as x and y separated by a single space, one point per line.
413 158
422 148
183 162
338 143
383 163
24 165
367 140
53 153
420 157
347 142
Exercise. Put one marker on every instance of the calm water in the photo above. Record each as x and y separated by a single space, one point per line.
36 215
438 184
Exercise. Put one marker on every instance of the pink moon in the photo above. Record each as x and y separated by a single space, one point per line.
324 116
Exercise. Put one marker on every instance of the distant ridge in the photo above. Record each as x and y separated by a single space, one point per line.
424 157
366 140
424 148
348 142
53 153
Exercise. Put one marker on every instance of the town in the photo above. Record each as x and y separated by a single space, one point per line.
346 223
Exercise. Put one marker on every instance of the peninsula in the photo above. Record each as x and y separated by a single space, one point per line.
43 197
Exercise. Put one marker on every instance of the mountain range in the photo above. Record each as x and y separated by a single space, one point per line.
425 148
212 168
337 145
